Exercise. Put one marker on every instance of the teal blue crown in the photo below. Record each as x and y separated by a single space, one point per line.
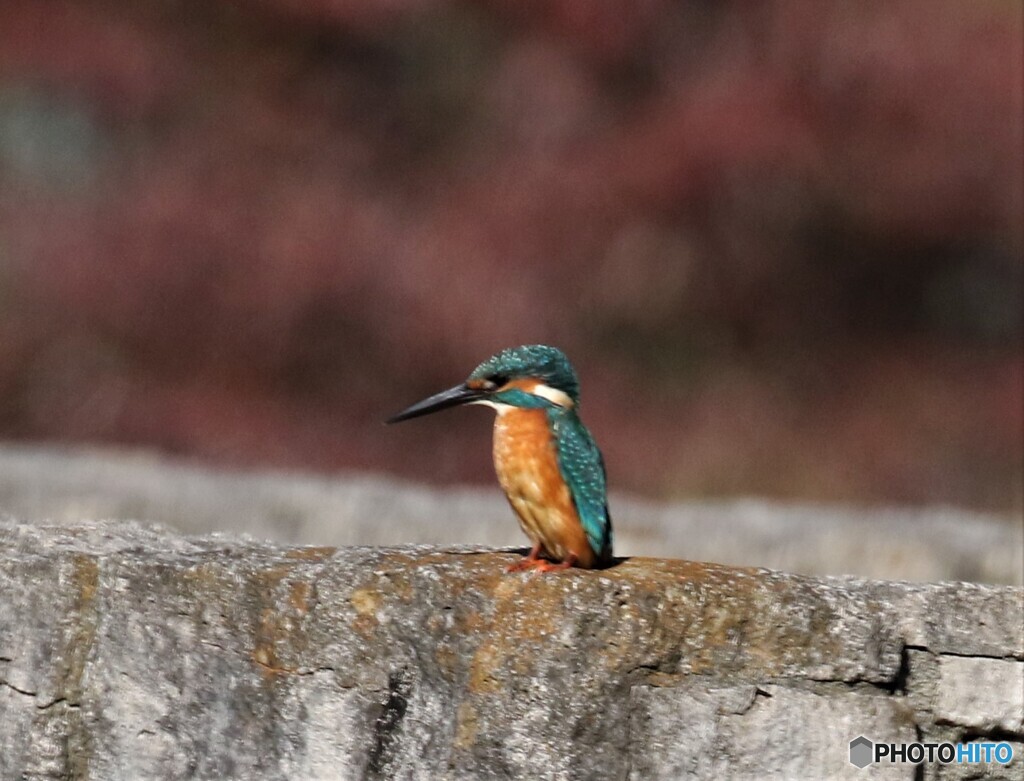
547 364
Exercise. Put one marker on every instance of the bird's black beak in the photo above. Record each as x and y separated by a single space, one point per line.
453 397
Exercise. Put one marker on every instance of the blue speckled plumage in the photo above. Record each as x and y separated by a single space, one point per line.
582 466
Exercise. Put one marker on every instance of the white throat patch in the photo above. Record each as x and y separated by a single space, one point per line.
501 409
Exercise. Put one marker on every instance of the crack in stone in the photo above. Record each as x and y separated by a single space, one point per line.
35 695
388 725
1010 657
300 672
12 687
995 734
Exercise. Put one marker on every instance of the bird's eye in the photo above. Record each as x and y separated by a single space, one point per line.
497 380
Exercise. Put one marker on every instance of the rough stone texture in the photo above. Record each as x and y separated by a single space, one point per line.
984 694
129 653
757 731
63 486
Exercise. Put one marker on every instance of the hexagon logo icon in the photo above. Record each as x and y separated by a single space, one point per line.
861 750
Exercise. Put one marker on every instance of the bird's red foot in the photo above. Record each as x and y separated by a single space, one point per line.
547 566
529 561
542 566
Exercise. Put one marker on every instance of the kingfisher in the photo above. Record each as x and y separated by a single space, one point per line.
546 460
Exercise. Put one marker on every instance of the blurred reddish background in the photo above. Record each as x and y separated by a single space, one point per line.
781 241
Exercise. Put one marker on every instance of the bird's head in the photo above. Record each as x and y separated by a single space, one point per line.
533 376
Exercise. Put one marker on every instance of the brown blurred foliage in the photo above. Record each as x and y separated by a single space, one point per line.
781 240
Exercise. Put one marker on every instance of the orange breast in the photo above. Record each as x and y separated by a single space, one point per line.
527 467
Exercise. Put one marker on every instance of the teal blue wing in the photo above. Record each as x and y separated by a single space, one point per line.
583 469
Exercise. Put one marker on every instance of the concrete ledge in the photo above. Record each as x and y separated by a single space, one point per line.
130 653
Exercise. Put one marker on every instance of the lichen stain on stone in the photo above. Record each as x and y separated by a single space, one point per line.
468 621
207 575
720 642
695 616
482 668
524 616
392 575
661 575
466 726
741 579
78 643
397 560
85 576
507 587
737 625
279 629
264 652
527 618
366 602
815 642
300 594
447 659
310 553
734 628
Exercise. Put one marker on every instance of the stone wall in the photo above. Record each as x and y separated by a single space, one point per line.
129 652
